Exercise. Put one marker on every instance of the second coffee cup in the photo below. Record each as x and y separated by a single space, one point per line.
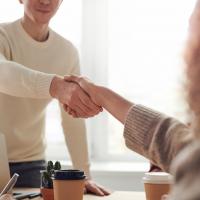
68 184
157 184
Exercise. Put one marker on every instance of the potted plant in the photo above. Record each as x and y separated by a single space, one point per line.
46 180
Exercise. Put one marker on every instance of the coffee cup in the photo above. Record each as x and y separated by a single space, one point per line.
157 184
68 184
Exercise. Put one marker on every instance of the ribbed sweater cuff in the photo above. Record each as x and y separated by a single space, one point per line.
43 85
138 124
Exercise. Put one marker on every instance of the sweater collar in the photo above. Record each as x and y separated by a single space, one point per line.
29 39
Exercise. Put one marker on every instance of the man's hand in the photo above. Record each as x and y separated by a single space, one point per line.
74 97
115 104
89 87
92 188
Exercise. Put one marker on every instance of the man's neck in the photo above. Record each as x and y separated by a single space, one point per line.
36 31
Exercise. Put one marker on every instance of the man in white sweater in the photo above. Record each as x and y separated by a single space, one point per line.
33 59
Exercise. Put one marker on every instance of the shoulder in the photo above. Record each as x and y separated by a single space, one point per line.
3 30
7 29
7 26
4 35
7 38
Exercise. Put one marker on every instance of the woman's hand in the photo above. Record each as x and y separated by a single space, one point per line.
89 87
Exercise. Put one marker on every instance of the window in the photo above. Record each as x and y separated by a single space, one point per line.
135 49
145 42
132 46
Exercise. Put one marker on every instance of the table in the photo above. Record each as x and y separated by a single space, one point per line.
117 195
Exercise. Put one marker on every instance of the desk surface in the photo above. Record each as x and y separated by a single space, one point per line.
117 195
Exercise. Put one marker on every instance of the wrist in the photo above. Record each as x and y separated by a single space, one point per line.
55 86
99 92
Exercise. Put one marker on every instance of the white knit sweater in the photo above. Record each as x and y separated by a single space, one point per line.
26 71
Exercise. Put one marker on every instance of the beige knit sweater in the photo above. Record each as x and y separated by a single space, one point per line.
26 71
160 138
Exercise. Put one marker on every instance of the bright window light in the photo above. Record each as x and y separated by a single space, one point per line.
135 47
146 40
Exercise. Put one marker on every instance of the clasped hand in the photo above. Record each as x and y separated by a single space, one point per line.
76 101
89 97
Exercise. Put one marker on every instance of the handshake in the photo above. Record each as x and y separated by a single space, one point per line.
77 94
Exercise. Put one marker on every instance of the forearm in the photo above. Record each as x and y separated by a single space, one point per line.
76 140
77 146
56 86
115 104
17 80
104 97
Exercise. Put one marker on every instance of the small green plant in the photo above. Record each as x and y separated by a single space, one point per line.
47 174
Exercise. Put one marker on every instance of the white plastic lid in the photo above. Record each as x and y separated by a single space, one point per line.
158 178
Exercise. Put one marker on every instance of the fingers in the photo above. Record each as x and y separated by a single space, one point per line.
70 111
92 187
104 190
86 100
94 190
72 78
80 104
84 107
73 113
79 113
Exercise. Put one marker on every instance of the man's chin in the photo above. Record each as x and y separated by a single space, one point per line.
43 20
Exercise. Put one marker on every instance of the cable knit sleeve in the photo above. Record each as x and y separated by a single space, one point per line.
18 80
154 135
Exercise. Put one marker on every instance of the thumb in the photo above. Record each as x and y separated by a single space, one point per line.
71 78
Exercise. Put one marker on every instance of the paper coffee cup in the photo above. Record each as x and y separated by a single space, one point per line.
68 184
157 184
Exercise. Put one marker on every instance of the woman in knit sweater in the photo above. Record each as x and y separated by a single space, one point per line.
166 142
